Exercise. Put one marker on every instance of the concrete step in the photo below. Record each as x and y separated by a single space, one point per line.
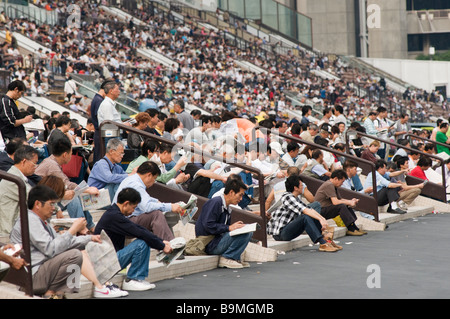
254 252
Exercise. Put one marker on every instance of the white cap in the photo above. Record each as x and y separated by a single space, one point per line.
276 146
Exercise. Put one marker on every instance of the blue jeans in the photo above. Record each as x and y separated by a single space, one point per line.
316 206
112 189
138 254
215 187
300 224
75 210
232 247
357 183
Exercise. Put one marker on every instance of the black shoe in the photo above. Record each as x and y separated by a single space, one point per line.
397 211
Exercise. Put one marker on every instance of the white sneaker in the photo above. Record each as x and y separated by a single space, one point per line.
137 285
107 292
115 287
402 205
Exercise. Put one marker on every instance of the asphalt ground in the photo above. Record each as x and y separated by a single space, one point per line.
409 260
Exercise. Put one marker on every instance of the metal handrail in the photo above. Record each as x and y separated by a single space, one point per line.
399 146
198 152
22 277
78 82
426 140
327 149
30 16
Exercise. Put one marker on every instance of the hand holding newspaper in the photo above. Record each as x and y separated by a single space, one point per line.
93 202
80 189
189 209
178 245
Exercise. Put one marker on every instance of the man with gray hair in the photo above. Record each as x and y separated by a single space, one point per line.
107 172
310 133
107 109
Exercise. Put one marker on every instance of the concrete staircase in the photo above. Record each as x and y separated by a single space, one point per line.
254 252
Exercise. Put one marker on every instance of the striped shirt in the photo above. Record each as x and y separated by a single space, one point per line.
290 208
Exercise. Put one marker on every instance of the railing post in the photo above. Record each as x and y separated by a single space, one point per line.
14 276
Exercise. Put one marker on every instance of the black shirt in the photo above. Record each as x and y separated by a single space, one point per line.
9 113
117 227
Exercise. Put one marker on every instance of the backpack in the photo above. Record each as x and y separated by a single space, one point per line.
196 246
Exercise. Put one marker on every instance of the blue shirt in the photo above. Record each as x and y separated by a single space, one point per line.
148 203
214 220
105 172
369 125
381 180
147 104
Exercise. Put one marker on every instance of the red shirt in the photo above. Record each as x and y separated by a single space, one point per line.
419 173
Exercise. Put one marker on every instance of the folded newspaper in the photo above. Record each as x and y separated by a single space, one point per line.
189 209
61 224
104 258
178 245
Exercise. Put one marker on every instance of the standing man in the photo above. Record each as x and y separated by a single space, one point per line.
107 109
383 126
402 127
11 123
95 104
369 124
215 219
184 117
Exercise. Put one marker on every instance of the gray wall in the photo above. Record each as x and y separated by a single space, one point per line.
390 40
333 24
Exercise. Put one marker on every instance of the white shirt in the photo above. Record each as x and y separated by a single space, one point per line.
107 111
196 135
264 166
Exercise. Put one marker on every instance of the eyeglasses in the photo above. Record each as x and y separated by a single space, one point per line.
34 164
53 204
120 153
